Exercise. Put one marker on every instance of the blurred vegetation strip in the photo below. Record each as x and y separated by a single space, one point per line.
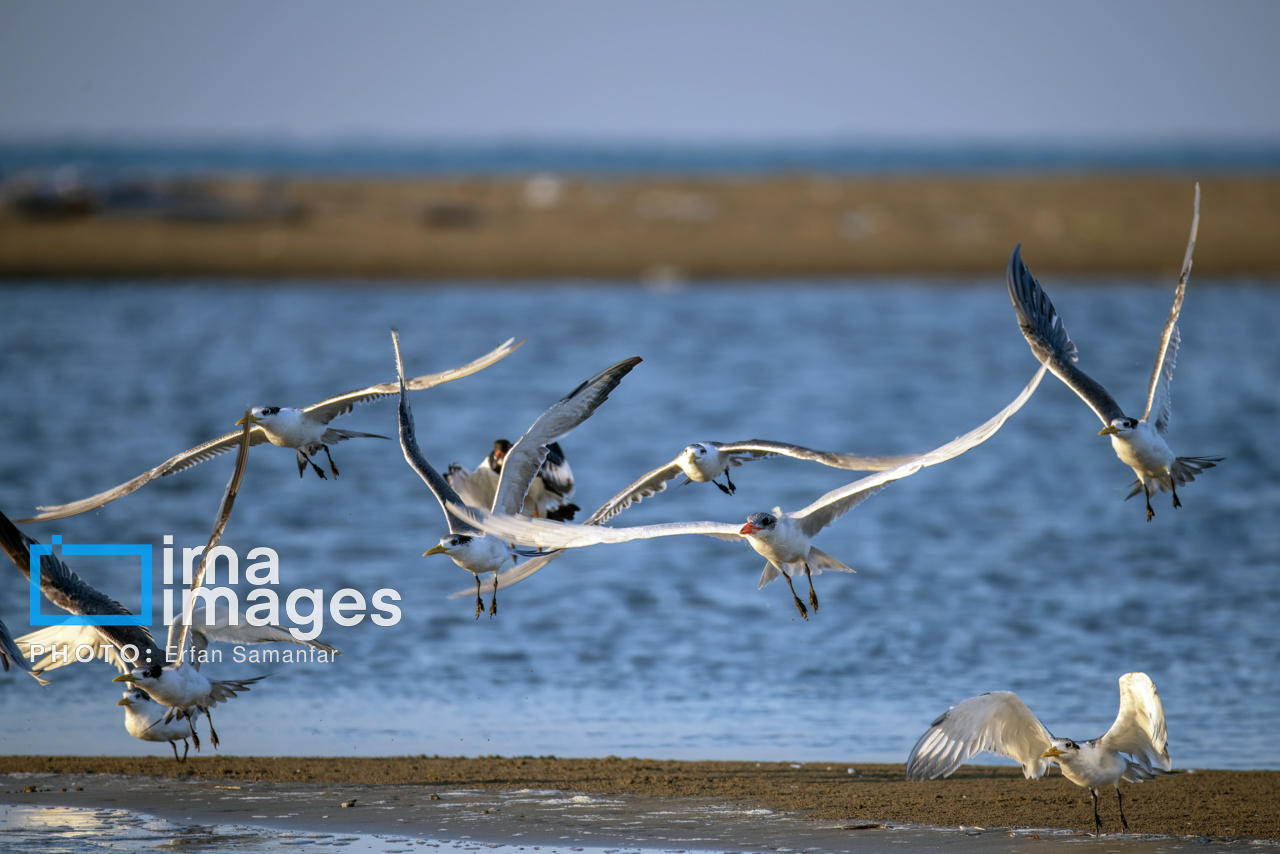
653 229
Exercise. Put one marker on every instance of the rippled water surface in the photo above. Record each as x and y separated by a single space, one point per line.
1018 566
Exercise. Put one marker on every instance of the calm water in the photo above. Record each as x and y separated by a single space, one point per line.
1017 566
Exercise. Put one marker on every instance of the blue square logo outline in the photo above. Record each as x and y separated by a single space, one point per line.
140 550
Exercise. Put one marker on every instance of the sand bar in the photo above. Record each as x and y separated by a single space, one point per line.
823 797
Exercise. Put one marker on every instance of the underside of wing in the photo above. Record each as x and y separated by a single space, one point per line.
1052 346
1162 372
647 485
998 722
341 404
836 503
547 533
1139 728
760 449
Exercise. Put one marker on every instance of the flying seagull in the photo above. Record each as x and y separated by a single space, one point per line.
468 547
305 430
1133 749
784 539
548 495
700 462
1138 442
180 685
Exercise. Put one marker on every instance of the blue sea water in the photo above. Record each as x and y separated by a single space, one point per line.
1018 566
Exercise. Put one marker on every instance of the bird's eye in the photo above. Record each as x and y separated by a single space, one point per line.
272 410
153 672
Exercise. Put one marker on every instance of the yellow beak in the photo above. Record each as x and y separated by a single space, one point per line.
124 701
125 677
252 419
1108 431
1050 753
438 550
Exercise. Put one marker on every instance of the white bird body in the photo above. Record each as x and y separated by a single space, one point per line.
144 719
1133 749
784 539
304 430
1138 442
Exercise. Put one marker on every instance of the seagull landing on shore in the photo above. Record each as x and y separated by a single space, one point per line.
1138 442
305 430
1132 750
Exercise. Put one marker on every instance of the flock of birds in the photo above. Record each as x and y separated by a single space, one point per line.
516 504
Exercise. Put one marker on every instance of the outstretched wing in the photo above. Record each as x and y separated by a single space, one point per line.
1044 331
330 408
10 651
1158 404
522 462
836 503
1139 729
439 487
759 449
547 533
998 722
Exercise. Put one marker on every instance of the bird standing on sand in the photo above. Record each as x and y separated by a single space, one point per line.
1132 750
1138 442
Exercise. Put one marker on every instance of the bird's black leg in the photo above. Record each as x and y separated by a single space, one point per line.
195 739
1097 822
332 467
799 604
1176 502
1150 513
493 601
813 596
1120 799
213 734
479 601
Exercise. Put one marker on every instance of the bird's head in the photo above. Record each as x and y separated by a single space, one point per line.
758 522
500 448
1061 749
134 697
448 544
141 675
1119 426
259 414
696 451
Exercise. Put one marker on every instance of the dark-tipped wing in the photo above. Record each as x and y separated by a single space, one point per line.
1158 404
1044 331
330 408
68 591
10 652
439 487
526 456
998 722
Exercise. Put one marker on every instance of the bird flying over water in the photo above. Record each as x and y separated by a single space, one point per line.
1138 442
305 430
548 495
783 539
467 546
1132 750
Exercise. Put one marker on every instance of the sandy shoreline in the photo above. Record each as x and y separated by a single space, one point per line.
656 229
1203 804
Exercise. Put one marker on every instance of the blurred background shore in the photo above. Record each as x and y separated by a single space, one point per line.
546 224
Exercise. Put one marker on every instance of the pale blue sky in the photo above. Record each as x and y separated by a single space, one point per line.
612 70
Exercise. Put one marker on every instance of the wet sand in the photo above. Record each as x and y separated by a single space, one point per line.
1203 804
653 229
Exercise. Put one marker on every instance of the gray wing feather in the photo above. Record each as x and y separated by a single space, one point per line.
759 449
1044 331
439 487
522 463
1162 372
836 503
998 722
648 484
10 651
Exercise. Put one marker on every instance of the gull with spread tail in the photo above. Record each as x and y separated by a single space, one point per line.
1132 750
305 430
467 546
783 539
1138 442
